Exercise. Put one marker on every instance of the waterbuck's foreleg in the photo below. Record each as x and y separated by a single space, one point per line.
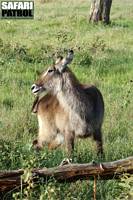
40 141
97 136
37 145
69 142
59 140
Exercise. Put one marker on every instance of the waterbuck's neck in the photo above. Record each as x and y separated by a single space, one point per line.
72 95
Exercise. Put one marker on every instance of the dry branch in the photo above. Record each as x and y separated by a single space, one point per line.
70 172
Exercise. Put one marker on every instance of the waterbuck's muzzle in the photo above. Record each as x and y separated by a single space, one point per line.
36 89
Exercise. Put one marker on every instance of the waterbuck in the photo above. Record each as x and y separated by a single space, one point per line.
69 110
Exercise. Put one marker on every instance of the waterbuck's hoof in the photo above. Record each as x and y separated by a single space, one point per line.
36 146
66 161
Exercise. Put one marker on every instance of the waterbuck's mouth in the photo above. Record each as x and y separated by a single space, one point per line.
36 90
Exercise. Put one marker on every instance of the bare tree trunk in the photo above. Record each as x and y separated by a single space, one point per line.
100 11
94 10
106 11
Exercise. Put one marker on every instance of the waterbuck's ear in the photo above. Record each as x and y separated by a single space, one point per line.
67 60
58 60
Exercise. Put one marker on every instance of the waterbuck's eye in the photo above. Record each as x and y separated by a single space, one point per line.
50 70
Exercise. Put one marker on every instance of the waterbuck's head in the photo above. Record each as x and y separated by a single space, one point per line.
51 80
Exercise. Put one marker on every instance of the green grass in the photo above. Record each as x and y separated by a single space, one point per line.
103 56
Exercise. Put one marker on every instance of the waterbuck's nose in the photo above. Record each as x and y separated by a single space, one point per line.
33 87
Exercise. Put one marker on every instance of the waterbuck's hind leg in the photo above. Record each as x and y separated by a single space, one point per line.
97 136
69 142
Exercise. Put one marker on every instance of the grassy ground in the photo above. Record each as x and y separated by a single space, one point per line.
103 56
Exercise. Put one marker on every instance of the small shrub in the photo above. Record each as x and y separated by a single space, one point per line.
126 185
97 45
8 103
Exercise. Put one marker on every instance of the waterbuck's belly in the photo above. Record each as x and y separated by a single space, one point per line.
80 126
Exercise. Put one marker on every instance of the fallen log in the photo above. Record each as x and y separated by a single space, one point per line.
70 172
